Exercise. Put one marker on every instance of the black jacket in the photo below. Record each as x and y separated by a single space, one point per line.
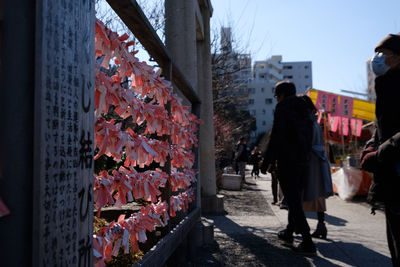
242 153
291 136
387 136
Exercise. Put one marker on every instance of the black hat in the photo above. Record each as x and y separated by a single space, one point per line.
391 42
285 88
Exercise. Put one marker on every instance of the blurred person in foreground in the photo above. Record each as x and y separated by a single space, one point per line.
381 155
290 147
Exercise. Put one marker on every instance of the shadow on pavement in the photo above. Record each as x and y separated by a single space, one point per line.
333 220
356 254
237 245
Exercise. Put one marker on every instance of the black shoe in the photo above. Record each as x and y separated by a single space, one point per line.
283 206
274 202
306 249
285 236
321 231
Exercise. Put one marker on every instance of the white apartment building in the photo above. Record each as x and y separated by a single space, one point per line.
261 89
299 73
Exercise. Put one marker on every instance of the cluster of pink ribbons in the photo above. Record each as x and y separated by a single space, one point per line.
135 89
126 233
140 150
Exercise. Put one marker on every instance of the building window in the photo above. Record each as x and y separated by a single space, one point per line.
268 101
306 76
262 89
287 67
307 86
252 90
264 123
251 101
288 77
263 111
253 112
306 67
262 76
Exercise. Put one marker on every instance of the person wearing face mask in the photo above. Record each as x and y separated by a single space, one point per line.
381 155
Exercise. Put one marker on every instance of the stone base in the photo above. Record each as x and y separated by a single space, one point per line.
231 181
212 204
208 230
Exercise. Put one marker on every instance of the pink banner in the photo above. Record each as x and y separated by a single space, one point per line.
344 126
334 105
333 123
345 108
356 125
322 102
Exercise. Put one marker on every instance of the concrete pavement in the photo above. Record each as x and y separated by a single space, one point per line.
246 234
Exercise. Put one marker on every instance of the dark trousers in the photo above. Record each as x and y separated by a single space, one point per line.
256 170
291 180
274 185
392 213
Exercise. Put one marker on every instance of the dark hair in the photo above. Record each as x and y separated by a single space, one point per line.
391 42
285 88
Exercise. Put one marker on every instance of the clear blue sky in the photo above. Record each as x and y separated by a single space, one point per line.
338 36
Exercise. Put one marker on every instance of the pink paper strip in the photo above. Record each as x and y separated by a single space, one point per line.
3 209
344 126
333 122
356 125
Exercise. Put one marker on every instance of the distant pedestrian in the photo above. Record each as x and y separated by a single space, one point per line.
290 146
241 157
255 159
381 155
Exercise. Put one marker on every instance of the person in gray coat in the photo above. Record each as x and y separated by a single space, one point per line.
318 184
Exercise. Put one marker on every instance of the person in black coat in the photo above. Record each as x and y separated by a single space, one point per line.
255 159
241 157
381 156
290 147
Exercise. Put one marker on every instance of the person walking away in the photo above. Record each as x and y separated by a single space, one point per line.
318 185
255 159
290 146
381 155
241 157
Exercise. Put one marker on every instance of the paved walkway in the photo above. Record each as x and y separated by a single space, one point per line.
246 234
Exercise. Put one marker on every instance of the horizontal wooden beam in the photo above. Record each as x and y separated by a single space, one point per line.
132 15
160 253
